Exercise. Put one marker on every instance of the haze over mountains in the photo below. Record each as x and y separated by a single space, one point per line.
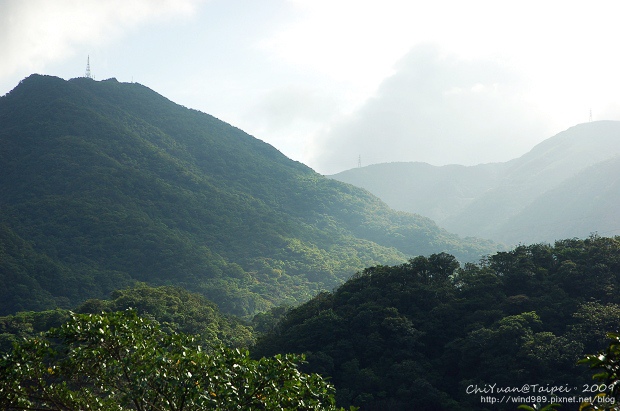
105 183
567 186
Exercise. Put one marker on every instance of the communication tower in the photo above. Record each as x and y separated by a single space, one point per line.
359 161
88 74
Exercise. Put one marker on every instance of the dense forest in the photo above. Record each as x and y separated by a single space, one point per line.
175 308
103 184
424 331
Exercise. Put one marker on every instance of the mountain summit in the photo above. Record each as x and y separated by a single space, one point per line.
105 183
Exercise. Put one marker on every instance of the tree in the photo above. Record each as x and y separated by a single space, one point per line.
121 361
608 364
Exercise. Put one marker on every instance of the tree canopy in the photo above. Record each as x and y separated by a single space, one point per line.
121 361
424 331
174 308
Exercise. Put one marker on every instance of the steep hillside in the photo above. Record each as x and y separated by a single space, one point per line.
487 200
106 183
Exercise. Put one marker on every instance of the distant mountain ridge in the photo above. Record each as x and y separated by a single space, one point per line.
105 183
507 201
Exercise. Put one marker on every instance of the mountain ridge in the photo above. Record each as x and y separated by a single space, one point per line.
114 183
504 190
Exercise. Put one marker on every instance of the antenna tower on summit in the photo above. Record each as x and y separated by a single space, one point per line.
88 74
359 161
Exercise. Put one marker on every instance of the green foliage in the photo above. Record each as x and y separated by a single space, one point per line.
14 328
422 332
121 361
103 184
176 309
29 280
607 363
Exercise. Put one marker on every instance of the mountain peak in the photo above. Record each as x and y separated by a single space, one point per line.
105 183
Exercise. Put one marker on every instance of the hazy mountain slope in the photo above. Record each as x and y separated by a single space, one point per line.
543 168
482 200
432 191
579 206
113 183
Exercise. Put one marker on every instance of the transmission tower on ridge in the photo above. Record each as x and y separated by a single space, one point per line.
359 161
88 74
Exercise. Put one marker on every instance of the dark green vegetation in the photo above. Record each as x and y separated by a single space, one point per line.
565 187
428 332
174 308
121 361
103 184
421 333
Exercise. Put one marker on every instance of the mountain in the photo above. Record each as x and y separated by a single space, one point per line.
103 184
435 192
511 202
580 205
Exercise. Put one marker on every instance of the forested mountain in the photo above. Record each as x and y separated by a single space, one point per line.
510 202
422 335
105 183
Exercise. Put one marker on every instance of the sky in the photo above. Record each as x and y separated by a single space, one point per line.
336 83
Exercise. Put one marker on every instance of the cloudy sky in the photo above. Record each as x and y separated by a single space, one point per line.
330 81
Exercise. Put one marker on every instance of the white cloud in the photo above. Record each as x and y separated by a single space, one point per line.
437 108
36 32
286 114
286 107
352 42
